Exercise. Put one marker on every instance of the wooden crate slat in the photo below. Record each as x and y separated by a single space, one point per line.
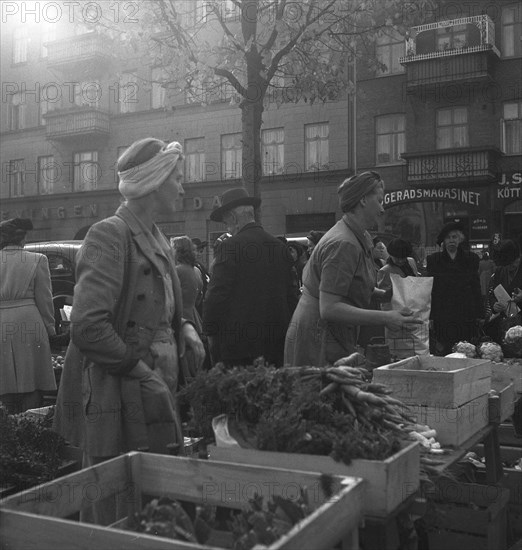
453 383
32 532
224 483
387 483
67 495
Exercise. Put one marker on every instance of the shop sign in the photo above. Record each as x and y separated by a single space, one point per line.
435 194
509 186
91 210
479 228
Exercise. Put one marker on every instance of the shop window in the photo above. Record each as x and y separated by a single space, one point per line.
195 159
389 48
231 153
390 138
16 112
20 44
316 146
452 128
48 171
512 128
273 151
128 92
86 171
512 30
16 176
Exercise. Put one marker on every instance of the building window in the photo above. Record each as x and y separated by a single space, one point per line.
231 152
159 78
512 30
512 128
16 177
85 170
45 106
388 49
20 43
195 159
48 35
128 92
451 38
47 174
273 151
230 10
16 112
390 138
316 146
119 153
452 128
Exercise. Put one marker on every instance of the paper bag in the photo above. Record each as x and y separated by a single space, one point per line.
413 293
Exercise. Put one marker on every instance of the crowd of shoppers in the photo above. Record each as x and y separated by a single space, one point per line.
148 314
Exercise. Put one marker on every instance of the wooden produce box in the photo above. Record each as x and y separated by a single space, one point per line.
454 425
502 404
387 483
35 519
467 516
436 381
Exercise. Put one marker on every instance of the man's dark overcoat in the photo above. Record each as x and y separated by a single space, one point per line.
456 299
249 298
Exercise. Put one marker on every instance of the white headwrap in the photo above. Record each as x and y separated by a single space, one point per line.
143 179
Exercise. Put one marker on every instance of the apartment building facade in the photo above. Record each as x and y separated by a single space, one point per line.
440 118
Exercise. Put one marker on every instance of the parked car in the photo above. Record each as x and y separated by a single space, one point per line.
61 256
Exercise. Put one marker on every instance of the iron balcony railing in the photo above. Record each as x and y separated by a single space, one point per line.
88 47
76 122
462 166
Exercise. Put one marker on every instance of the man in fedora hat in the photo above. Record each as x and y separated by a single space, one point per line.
249 298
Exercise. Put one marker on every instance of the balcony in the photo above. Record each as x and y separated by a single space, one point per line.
77 122
455 51
79 52
470 166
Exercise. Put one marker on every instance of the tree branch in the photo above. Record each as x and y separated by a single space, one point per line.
240 89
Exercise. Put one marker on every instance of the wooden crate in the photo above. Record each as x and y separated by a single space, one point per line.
502 405
436 381
454 425
35 520
387 482
468 516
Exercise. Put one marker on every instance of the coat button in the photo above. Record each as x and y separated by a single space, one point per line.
147 271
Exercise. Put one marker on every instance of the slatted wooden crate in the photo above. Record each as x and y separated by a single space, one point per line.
35 519
387 482
468 516
445 382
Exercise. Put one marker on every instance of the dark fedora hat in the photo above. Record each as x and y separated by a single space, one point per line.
448 228
230 199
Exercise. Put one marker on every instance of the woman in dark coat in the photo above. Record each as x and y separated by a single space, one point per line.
456 300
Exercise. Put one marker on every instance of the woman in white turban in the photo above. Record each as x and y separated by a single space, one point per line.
118 389
339 281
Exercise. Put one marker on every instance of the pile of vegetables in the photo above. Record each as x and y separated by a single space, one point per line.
332 411
30 452
486 350
513 341
257 524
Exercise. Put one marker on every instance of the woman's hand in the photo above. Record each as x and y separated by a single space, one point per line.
498 307
189 338
401 320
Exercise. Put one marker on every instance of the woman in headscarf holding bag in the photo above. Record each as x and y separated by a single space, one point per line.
339 281
27 320
117 391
